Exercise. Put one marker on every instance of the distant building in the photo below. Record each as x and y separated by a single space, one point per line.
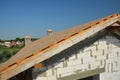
7 44
19 43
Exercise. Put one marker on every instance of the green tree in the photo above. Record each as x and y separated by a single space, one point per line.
17 39
1 40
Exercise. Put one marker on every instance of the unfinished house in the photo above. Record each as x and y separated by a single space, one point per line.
90 51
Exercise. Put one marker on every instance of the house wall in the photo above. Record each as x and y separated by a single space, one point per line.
101 57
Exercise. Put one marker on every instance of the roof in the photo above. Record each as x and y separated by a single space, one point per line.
48 41
45 42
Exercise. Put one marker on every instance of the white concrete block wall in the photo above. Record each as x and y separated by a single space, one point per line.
81 67
88 60
86 54
64 70
97 53
66 74
93 48
51 77
104 53
41 78
117 49
102 42
49 72
112 69
95 64
72 57
59 65
74 62
112 55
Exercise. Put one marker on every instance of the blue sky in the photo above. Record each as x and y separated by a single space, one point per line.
19 18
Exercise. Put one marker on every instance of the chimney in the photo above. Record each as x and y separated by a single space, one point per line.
27 40
49 32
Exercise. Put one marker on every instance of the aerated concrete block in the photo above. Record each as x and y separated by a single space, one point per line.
84 54
90 48
74 62
101 57
88 60
41 78
97 53
51 77
64 70
67 74
95 64
112 55
81 67
104 46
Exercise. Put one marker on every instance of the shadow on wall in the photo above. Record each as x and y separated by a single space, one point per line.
64 55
